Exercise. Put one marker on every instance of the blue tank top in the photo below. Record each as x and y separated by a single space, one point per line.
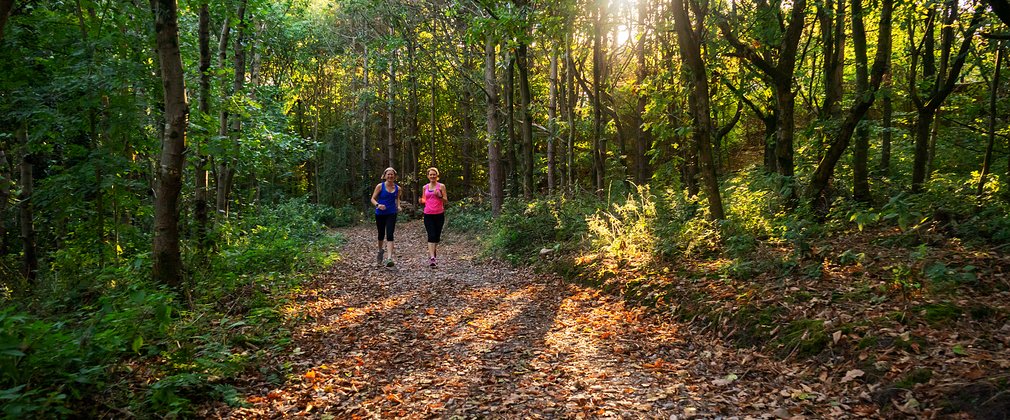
387 198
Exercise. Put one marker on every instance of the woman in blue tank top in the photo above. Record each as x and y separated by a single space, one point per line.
386 199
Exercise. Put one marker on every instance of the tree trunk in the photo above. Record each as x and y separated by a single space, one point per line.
690 52
781 76
641 136
495 187
822 175
29 256
413 125
945 80
887 111
510 151
166 253
5 198
599 153
861 145
552 123
365 184
391 100
993 95
5 11
572 100
226 175
200 169
527 120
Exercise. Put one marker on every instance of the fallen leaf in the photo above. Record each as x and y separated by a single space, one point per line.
852 374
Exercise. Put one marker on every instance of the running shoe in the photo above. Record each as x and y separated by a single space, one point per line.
390 263
431 262
378 258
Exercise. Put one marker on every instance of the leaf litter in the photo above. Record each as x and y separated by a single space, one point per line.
477 338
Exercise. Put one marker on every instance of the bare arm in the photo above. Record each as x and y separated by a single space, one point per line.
375 197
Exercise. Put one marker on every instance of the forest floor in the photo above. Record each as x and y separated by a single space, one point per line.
475 338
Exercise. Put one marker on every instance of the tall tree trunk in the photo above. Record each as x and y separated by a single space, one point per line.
510 150
5 11
495 187
365 184
832 19
5 198
599 152
200 169
993 95
572 100
167 256
689 38
391 100
226 174
781 75
641 136
29 256
945 80
527 120
887 113
413 125
822 175
861 145
552 123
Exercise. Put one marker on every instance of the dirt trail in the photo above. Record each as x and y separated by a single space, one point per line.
480 339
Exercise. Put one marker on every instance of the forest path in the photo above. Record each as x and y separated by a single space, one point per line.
481 339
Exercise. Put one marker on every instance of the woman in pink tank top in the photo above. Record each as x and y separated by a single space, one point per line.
433 197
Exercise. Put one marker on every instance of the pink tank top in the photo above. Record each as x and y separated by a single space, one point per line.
432 203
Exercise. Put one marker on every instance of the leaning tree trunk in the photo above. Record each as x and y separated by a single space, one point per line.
495 185
167 256
822 175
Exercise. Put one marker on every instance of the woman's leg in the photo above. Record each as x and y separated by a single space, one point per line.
390 229
429 227
439 223
380 223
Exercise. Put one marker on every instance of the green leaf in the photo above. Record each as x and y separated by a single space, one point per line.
137 343
959 350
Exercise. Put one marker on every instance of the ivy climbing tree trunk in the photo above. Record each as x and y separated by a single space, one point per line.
167 255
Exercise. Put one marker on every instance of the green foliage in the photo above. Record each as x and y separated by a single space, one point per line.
525 227
468 215
625 231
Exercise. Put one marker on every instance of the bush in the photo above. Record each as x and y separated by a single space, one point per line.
525 227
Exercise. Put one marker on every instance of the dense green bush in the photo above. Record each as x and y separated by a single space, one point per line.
56 352
524 227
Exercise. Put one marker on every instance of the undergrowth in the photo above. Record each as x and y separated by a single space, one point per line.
111 341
